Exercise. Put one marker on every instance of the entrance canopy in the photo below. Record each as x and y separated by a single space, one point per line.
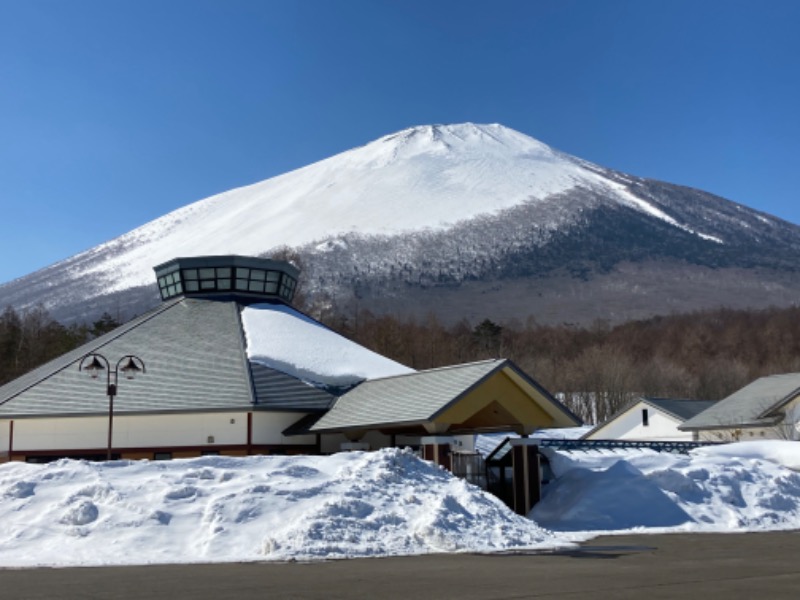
490 395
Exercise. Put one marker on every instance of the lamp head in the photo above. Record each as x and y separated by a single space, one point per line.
94 368
130 369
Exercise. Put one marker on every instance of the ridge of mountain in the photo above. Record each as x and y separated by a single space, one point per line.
417 219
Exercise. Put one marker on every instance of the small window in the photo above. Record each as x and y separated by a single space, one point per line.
190 274
191 286
224 272
241 284
224 284
162 456
206 273
257 275
645 418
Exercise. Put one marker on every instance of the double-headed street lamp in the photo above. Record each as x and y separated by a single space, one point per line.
97 363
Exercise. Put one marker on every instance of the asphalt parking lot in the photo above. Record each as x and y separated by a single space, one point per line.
707 566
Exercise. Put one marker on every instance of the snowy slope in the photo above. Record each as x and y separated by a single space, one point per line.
422 178
464 210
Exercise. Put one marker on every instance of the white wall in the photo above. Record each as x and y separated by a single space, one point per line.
629 426
267 428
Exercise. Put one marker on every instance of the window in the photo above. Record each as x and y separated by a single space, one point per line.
645 418
170 285
162 456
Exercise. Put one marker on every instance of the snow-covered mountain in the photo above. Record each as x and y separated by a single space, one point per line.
468 220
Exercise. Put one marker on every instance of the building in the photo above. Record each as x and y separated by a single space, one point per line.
651 420
767 408
231 368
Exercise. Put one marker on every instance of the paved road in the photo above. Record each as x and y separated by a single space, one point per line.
747 566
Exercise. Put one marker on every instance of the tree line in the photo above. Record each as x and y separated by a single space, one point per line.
598 370
595 370
32 337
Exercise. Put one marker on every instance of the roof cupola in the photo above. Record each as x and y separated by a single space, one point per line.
244 277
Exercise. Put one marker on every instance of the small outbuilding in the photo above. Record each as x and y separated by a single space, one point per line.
651 420
767 408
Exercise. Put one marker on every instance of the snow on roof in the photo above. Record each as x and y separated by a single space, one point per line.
284 339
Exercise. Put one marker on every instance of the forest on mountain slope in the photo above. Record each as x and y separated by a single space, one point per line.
595 370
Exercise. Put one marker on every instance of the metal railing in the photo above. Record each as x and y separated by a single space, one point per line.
675 447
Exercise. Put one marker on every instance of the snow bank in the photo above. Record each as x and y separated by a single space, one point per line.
734 487
222 509
386 503
324 357
781 452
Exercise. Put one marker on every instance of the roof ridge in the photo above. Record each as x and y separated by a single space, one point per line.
443 368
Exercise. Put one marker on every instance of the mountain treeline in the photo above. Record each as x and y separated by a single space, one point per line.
597 370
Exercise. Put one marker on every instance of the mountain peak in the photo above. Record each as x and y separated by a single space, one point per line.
447 204
460 138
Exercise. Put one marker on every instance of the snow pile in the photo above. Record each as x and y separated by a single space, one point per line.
324 357
221 509
386 503
749 486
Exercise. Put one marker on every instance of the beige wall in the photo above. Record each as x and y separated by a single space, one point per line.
150 431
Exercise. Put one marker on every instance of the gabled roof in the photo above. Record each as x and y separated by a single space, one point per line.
417 398
679 409
755 405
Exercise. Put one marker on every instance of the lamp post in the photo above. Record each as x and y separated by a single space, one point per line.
97 363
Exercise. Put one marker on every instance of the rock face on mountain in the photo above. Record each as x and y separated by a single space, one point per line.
463 221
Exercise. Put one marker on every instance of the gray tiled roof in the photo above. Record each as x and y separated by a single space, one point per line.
277 390
194 356
757 404
411 398
680 408
415 397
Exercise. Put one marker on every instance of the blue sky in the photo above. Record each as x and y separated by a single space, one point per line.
115 112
